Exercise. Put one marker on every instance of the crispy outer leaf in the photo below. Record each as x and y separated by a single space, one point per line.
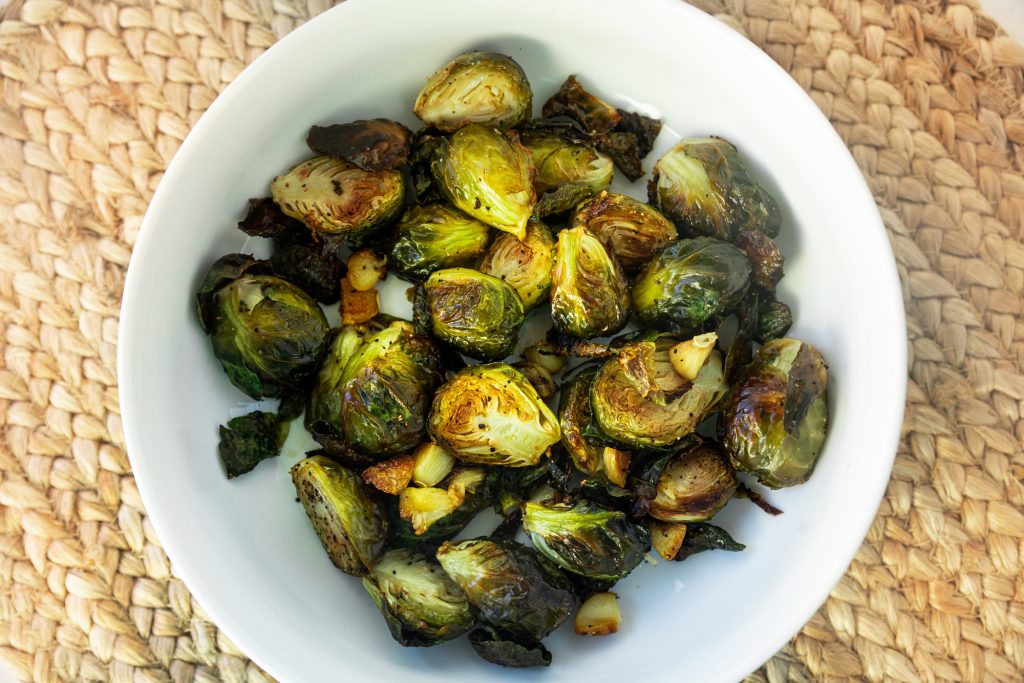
704 536
248 440
374 145
503 650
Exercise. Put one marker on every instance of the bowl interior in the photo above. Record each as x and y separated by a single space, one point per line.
245 548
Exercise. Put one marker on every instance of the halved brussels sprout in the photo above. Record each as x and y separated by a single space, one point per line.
489 176
524 264
774 422
351 526
694 485
690 283
491 415
560 161
435 236
476 87
638 398
374 145
589 294
335 197
586 538
477 314
420 603
574 418
634 231
374 394
511 586
267 333
703 185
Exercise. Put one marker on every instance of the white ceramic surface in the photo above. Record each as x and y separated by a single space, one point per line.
245 548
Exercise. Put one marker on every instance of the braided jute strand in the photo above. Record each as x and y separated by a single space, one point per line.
95 97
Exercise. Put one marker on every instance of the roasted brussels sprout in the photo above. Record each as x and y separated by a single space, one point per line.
765 257
426 144
476 87
420 603
524 264
334 197
703 185
351 526
489 176
374 394
375 145
774 421
511 586
560 161
574 418
267 333
314 268
539 378
774 319
477 314
694 485
635 232
586 538
589 294
638 398
491 415
690 283
498 648
703 536
435 236
248 440
573 100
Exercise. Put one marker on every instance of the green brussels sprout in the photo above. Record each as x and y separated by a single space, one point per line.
574 419
375 145
634 231
560 161
773 423
489 176
774 319
510 584
524 264
435 236
476 87
421 605
491 415
589 294
351 527
477 314
334 197
638 398
703 185
499 648
694 485
690 283
373 393
586 538
267 333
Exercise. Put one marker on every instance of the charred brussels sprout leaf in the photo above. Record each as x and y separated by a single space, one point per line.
573 100
524 264
644 128
491 415
425 145
501 649
773 423
375 145
586 538
351 526
264 218
560 161
703 185
383 392
589 294
476 87
267 333
634 231
435 236
511 586
774 319
475 313
638 398
562 199
314 268
420 603
690 283
694 485
765 257
248 440
703 536
574 418
489 176
334 197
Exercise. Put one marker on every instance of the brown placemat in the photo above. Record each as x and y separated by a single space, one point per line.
95 97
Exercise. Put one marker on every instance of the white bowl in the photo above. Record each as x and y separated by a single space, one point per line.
245 548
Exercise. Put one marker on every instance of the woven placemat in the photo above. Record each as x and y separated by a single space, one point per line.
95 97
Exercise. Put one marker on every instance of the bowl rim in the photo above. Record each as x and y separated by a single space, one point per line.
788 625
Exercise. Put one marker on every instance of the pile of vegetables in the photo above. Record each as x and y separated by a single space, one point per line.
598 445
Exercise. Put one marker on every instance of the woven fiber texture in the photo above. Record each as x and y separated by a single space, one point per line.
96 96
